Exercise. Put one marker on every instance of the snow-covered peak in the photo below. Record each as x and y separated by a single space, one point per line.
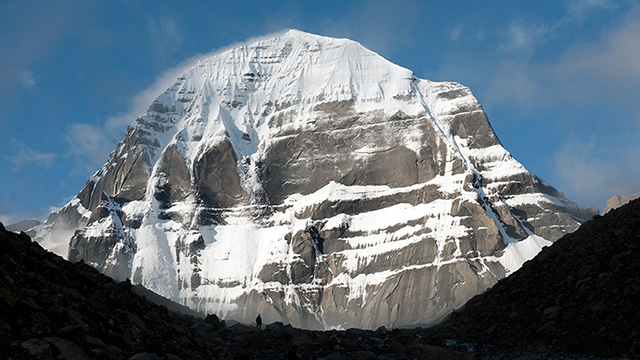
237 92
300 66
297 168
305 36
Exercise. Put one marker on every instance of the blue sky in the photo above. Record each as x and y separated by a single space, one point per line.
559 80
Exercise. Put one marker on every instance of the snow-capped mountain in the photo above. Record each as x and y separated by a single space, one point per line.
310 180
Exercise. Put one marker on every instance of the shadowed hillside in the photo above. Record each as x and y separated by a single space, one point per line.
53 309
581 295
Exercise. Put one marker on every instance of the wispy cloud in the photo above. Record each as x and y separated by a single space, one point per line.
584 73
89 145
28 156
591 172
522 37
516 82
27 80
12 215
578 10
165 34
456 32
600 74
610 64
31 38
9 219
464 32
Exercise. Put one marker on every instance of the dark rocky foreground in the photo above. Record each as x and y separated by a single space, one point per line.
581 295
53 309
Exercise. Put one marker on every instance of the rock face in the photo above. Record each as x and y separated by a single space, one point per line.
616 201
310 180
579 295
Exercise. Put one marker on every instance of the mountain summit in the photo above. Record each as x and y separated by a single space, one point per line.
310 180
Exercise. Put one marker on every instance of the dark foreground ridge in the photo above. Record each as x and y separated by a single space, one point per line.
53 309
581 295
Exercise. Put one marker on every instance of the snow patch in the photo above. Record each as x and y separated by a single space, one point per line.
517 253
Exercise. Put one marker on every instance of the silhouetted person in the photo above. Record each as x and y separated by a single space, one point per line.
259 322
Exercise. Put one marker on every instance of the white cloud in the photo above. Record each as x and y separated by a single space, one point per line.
578 10
386 26
165 34
583 74
9 219
456 32
522 37
27 39
610 64
28 156
52 209
604 75
27 80
463 32
591 173
480 34
90 146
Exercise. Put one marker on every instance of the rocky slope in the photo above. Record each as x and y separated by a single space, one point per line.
53 309
309 179
580 295
50 308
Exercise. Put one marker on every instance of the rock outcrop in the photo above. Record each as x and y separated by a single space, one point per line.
616 201
310 180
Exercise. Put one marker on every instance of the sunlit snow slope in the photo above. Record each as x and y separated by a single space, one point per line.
310 180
